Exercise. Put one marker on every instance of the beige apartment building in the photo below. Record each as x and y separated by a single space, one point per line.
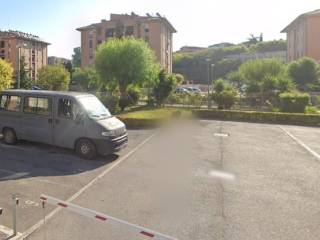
156 30
14 45
303 36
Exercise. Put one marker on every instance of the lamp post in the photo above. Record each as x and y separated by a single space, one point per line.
19 46
208 80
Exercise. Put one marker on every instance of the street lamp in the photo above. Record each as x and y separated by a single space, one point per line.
19 46
208 79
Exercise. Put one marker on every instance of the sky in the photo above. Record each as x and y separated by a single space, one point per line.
198 22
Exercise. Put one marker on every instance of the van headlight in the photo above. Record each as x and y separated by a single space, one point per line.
108 134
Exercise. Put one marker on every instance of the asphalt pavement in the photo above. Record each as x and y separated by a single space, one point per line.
193 180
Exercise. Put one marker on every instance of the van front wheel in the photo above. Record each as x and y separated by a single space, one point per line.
86 149
9 136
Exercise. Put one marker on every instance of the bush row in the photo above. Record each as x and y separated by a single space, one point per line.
260 117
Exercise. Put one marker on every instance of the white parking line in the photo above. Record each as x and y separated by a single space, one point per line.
29 231
312 152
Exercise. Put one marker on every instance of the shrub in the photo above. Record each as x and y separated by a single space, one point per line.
163 87
225 99
224 95
294 102
311 110
263 117
55 78
304 71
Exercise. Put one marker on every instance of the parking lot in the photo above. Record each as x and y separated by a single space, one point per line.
194 180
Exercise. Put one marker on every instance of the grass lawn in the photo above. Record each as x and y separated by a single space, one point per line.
150 117
154 113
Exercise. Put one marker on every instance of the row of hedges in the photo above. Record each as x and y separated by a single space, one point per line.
260 117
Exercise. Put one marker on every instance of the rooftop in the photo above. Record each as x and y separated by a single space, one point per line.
300 17
21 35
118 17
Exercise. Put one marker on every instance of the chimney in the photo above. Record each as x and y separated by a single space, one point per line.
159 15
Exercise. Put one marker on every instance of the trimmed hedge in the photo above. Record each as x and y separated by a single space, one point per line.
294 102
260 117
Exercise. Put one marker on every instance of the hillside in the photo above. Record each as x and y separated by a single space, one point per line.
194 65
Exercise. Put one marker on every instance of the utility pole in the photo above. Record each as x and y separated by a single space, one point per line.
208 79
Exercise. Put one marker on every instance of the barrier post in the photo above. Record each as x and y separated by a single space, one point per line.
15 202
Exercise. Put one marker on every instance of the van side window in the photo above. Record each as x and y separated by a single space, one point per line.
10 103
37 105
3 102
65 108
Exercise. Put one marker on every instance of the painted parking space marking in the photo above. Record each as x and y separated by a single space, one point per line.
31 203
221 134
302 144
39 224
222 175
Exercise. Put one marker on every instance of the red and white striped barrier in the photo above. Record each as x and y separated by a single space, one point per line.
104 218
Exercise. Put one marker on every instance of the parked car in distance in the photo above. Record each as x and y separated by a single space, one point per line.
181 90
194 89
66 119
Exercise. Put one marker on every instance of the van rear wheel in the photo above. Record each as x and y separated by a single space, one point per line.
9 136
86 149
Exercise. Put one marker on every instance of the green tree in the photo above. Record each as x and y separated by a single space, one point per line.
265 78
25 80
68 66
225 66
304 71
55 78
85 79
6 73
76 57
125 61
179 77
163 87
224 94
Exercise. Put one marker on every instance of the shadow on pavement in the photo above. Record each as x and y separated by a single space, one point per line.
26 160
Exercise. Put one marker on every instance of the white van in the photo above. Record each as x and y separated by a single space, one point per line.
66 119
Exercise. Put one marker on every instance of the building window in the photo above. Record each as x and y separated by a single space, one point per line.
146 29
129 31
2 54
110 32
2 44
90 44
99 42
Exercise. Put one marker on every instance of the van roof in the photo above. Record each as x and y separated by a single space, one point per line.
49 93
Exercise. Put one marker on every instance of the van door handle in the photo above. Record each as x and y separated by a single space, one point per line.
50 120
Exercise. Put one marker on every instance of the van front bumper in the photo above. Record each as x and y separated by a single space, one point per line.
111 145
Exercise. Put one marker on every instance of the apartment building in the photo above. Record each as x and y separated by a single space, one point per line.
303 36
15 45
156 30
53 60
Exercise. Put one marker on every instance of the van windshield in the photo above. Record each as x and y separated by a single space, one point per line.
94 107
